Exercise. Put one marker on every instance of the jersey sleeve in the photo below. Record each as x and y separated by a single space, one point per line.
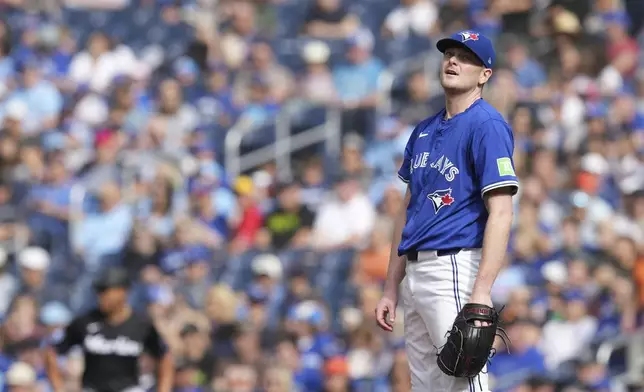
154 343
492 150
63 340
404 173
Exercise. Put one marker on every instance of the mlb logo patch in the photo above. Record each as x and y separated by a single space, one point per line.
469 36
441 198
505 167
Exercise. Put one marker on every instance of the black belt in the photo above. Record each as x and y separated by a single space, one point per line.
413 255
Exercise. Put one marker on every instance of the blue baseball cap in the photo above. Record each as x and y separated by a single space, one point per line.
27 62
196 254
573 295
619 17
595 110
308 312
185 66
159 294
476 42
55 313
257 294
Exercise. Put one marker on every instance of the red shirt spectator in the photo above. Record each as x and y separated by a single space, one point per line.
251 219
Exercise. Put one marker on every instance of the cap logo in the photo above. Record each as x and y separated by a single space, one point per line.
468 36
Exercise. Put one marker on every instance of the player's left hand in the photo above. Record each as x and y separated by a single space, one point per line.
484 299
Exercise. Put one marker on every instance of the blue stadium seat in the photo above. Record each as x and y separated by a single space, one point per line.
258 138
333 276
291 15
290 19
101 20
238 272
309 117
144 16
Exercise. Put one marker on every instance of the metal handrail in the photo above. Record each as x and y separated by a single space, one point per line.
385 87
285 143
333 128
634 344
77 196
232 144
606 349
283 146
388 77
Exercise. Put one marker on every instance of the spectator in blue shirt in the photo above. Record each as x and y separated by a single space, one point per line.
124 100
307 374
49 203
315 343
521 361
267 269
356 82
186 71
212 221
43 99
196 280
528 72
261 108
156 211
34 265
115 218
593 376
216 106
7 66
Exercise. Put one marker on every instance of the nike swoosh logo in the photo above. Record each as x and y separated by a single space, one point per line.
422 135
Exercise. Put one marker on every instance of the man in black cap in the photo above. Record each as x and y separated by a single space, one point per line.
113 338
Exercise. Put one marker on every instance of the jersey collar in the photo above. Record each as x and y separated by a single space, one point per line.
444 113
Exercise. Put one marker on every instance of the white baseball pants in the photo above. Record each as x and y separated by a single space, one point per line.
433 292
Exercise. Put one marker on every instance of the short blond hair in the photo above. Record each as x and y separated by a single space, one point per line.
281 373
222 303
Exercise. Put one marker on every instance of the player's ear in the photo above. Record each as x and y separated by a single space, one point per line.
485 75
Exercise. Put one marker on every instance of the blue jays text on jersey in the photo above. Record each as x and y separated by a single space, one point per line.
442 164
449 164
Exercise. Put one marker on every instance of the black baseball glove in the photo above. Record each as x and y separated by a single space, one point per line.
468 347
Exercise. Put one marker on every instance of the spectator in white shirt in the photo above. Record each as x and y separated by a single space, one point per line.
346 219
564 340
412 16
98 65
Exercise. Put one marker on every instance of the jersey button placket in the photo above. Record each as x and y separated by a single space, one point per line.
438 142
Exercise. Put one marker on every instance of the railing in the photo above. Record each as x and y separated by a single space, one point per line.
634 346
77 196
285 144
421 62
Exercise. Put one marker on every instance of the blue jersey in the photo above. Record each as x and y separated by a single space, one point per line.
449 165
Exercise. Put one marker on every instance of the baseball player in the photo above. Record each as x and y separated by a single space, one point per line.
113 337
451 238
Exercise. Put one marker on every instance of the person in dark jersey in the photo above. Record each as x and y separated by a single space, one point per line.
112 337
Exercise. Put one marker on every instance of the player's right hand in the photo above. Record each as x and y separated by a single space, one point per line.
386 313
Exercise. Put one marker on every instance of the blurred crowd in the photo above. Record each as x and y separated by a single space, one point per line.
114 116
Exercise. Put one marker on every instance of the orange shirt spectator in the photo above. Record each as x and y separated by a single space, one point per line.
638 275
374 261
